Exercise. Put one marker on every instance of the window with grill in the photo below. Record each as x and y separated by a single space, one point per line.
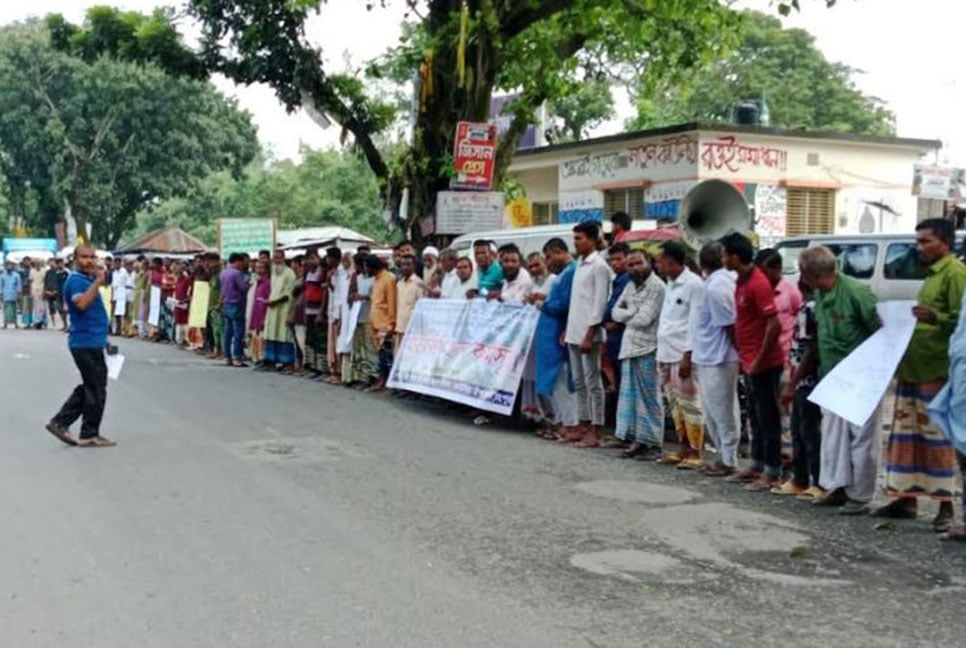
545 213
810 211
625 200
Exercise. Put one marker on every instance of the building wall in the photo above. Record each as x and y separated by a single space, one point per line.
870 183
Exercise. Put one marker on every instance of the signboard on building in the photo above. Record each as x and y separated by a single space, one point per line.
940 183
474 156
771 204
246 235
43 247
654 159
459 212
519 213
580 206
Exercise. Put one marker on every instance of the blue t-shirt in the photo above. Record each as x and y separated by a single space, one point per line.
88 328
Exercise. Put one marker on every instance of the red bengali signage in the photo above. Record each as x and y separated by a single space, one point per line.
474 156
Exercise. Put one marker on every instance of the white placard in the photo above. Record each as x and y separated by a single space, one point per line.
348 323
460 212
154 313
114 365
854 388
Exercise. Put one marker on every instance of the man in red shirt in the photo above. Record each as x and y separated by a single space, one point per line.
757 331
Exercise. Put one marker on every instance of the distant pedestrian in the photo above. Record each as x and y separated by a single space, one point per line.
87 343
234 294
921 462
11 285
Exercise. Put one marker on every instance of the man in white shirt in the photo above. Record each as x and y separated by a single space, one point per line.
119 279
715 358
338 285
584 334
517 284
448 280
674 355
462 282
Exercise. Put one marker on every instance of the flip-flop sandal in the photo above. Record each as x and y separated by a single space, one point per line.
63 436
96 442
955 534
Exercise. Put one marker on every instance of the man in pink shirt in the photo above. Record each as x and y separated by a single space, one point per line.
788 298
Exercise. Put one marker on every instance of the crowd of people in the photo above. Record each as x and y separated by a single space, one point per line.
628 345
33 295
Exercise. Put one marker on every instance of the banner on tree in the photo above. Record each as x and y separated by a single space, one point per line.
470 352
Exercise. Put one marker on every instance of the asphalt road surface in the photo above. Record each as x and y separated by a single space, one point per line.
244 509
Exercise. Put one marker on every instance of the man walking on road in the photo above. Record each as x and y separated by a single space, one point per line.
87 342
921 462
846 317
584 335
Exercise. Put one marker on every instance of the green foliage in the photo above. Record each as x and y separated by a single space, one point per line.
127 36
583 108
783 66
536 47
326 188
105 137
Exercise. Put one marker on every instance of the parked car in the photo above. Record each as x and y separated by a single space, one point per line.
887 263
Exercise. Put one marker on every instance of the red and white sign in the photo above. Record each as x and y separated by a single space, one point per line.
474 156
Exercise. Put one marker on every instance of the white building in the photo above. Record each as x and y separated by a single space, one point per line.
796 182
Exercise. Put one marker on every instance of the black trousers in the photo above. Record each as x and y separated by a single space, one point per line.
806 427
89 398
766 440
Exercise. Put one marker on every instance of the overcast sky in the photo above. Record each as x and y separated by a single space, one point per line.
909 52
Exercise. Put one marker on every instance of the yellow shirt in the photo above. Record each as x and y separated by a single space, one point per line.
408 292
382 313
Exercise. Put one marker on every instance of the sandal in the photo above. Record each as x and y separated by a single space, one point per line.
96 442
955 534
62 432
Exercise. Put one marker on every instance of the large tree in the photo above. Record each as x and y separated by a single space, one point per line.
462 52
782 66
326 187
105 137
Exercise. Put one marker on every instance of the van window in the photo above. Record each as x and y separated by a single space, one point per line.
902 262
855 259
790 253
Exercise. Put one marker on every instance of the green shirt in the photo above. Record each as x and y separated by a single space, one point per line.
214 294
846 318
927 357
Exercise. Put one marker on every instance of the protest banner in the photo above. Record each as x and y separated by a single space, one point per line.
470 352
154 306
854 388
198 312
246 235
474 155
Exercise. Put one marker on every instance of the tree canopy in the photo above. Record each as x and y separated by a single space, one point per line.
326 187
461 52
802 88
105 137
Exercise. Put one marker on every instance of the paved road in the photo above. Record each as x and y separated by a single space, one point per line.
243 509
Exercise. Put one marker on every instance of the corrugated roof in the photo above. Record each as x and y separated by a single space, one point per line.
170 240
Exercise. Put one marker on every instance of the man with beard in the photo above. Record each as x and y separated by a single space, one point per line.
516 280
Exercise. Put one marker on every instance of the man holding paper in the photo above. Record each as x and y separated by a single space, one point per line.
921 462
845 312
87 341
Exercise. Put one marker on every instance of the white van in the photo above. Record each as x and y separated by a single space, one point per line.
528 239
887 263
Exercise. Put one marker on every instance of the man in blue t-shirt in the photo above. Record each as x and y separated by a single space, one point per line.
87 341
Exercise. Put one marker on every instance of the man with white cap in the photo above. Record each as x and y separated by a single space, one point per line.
431 270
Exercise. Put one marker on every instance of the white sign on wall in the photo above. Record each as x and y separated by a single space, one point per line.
771 211
579 206
655 159
459 212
